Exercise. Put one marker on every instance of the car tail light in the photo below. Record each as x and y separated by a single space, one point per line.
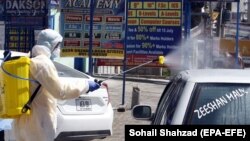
106 86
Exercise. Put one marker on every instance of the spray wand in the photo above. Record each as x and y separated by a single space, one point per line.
160 60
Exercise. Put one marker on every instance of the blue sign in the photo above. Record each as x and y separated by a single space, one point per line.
113 27
154 26
95 27
73 26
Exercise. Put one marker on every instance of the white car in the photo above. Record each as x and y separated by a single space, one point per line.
86 117
206 97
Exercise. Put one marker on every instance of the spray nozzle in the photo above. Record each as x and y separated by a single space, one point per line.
98 81
160 59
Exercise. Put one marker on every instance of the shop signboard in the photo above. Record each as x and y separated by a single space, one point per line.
154 28
22 19
108 28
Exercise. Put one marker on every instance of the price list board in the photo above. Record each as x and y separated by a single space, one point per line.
108 28
154 29
23 18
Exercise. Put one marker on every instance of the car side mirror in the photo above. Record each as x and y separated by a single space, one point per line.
142 112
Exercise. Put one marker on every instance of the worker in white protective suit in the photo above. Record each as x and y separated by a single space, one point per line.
40 125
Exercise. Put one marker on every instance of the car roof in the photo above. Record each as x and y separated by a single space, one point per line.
13 53
217 75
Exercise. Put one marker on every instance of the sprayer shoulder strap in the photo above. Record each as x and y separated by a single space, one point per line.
26 107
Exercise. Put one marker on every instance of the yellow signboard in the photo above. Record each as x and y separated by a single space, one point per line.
96 53
228 45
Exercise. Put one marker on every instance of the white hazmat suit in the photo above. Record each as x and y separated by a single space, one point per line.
40 125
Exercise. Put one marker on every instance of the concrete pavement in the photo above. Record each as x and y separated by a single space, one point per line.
150 91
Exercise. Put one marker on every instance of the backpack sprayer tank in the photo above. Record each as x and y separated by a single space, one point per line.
14 93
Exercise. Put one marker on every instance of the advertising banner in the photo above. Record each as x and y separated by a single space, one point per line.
154 29
108 28
22 18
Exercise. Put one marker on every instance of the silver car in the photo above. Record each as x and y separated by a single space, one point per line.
207 97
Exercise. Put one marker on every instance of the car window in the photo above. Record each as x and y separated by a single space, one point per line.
220 104
65 71
168 102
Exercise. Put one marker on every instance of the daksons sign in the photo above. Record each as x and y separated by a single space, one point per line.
25 7
23 19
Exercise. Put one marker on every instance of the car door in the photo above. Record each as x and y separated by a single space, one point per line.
167 104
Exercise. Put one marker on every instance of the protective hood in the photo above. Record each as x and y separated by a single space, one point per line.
49 38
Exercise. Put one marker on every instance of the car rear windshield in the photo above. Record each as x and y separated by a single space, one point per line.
220 104
65 71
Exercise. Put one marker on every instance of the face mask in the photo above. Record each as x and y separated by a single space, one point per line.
55 53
